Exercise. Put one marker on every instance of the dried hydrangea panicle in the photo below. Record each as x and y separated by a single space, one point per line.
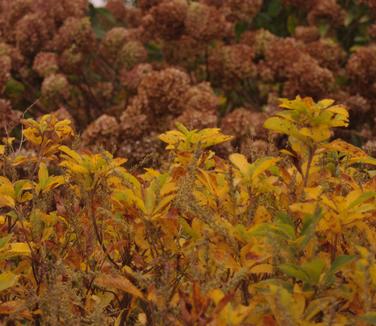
244 122
115 39
200 109
327 52
168 19
14 10
116 8
201 97
357 105
307 34
232 63
5 67
32 31
55 88
134 122
195 119
279 55
101 133
327 10
46 63
241 10
77 31
305 76
163 91
247 127
259 40
71 60
61 10
131 54
184 52
129 15
8 118
131 78
204 22
361 69
145 5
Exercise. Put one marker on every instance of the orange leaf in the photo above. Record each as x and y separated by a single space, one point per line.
118 282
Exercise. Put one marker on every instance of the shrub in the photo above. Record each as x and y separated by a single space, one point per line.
96 62
285 239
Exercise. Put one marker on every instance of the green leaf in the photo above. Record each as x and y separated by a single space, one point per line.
5 240
369 317
274 8
285 218
294 271
338 263
314 269
14 88
7 280
292 22
341 261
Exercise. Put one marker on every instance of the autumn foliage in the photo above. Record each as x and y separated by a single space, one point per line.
287 239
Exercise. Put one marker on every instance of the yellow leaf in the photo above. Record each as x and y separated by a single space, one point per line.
2 149
216 295
118 282
71 153
339 109
262 269
20 248
6 201
33 136
241 163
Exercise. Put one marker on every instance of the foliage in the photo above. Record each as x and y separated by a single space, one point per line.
114 71
282 240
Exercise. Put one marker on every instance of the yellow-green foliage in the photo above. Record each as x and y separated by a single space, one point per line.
286 240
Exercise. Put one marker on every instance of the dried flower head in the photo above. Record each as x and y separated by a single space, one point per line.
163 91
116 8
46 63
132 78
71 60
55 87
259 40
75 31
326 10
204 22
8 118
307 34
328 53
32 31
361 68
243 10
5 67
279 55
101 133
168 19
201 97
131 54
320 81
232 63
196 119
